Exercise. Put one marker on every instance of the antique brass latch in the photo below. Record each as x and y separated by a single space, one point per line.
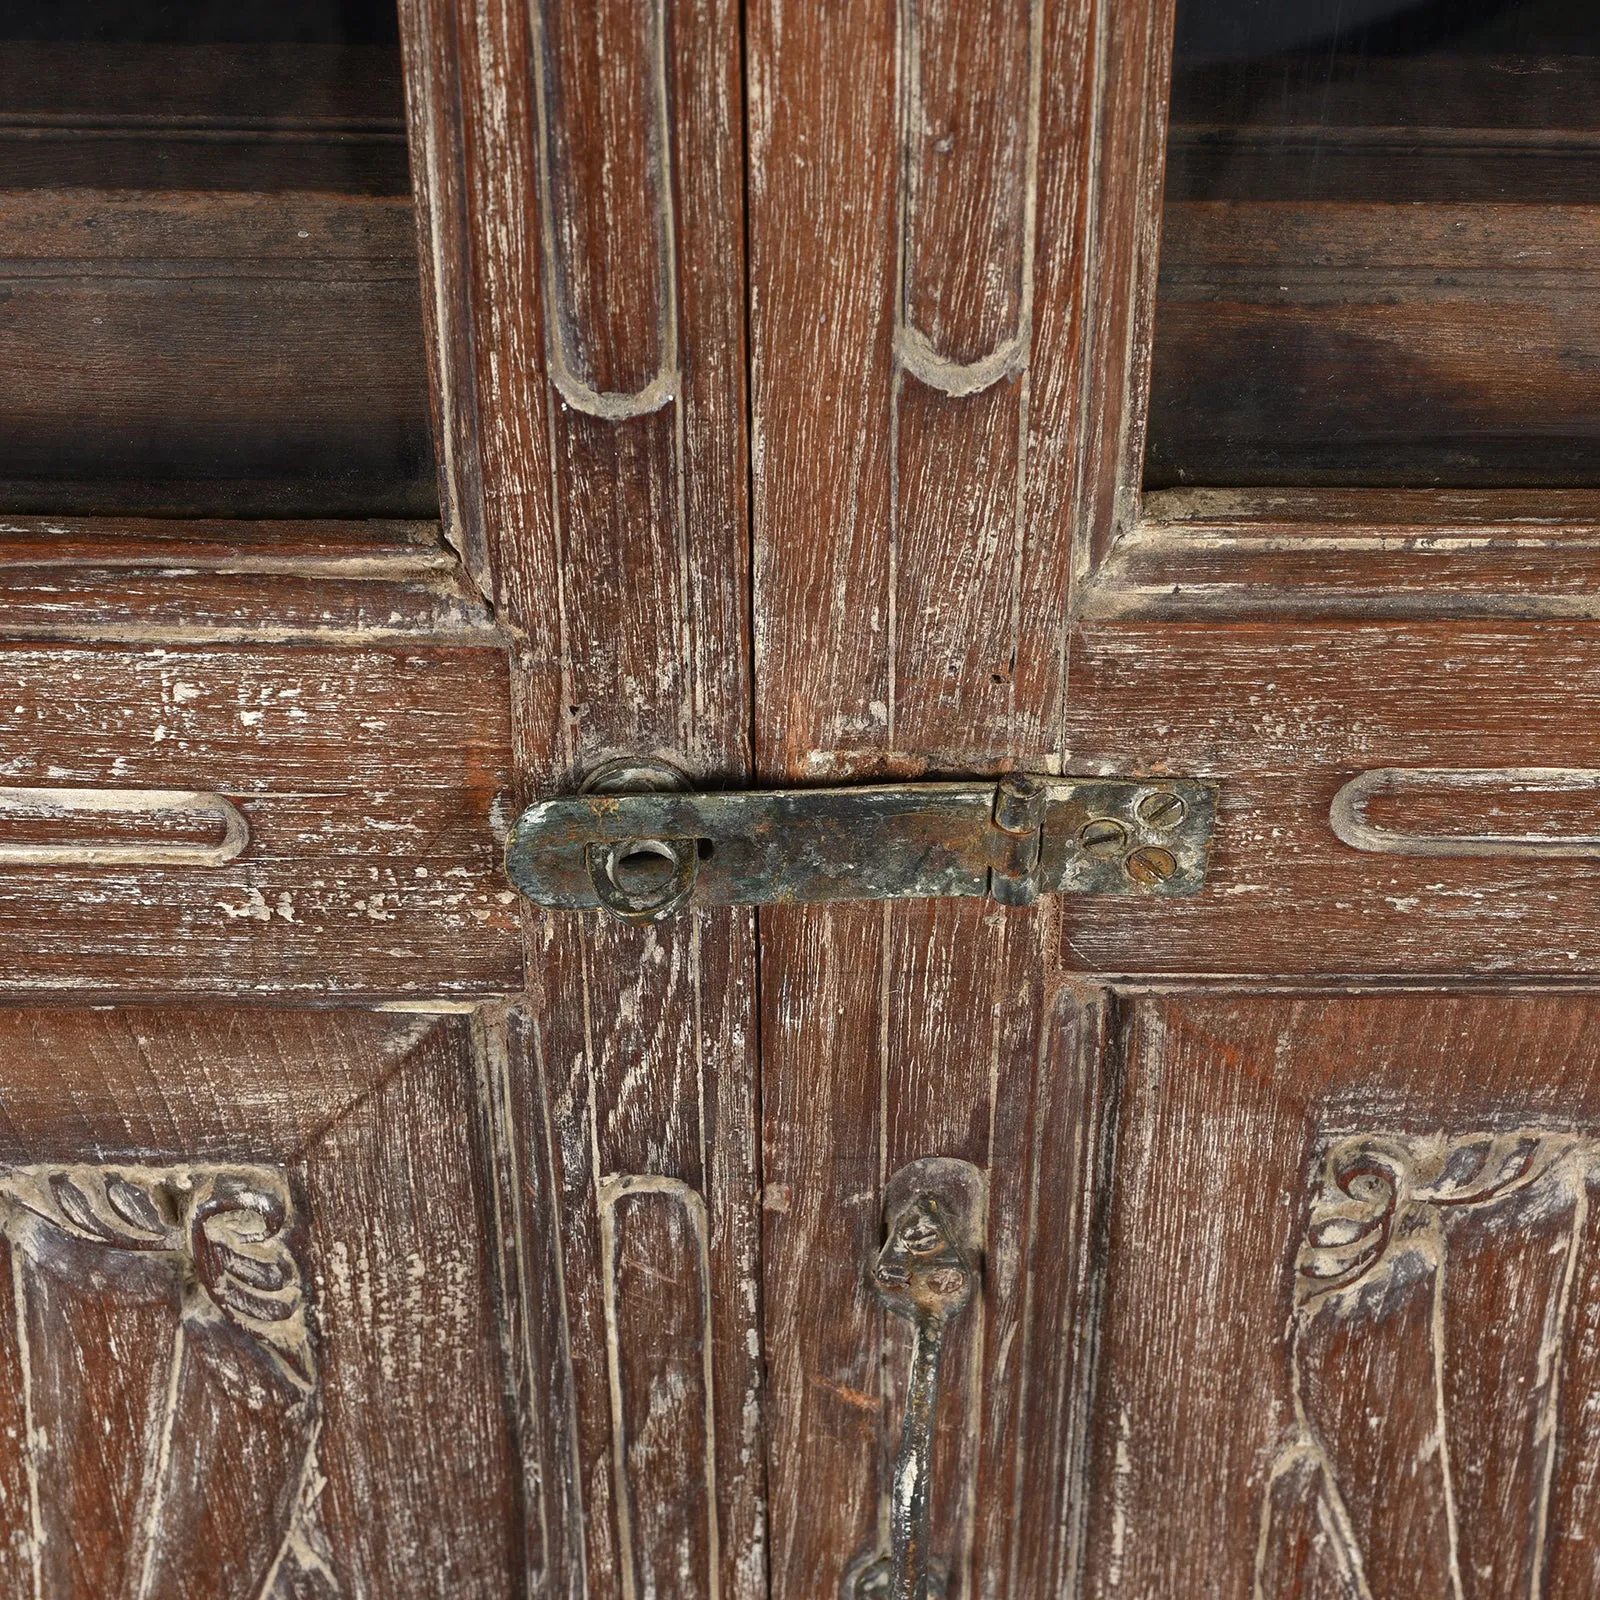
641 856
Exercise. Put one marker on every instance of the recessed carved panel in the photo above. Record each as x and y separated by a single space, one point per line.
1442 1368
160 1428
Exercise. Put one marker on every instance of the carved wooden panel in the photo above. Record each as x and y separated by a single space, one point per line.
920 338
248 1348
1451 1269
1284 713
369 781
581 184
918 227
1351 1339
159 1336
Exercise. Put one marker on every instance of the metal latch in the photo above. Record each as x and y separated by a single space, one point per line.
643 855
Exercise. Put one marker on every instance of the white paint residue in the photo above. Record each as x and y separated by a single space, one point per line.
255 908
1121 1487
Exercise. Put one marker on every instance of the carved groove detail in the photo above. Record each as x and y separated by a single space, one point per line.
1437 1368
25 803
658 1351
161 1323
1007 204
590 212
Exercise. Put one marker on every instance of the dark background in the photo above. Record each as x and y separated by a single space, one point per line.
201 21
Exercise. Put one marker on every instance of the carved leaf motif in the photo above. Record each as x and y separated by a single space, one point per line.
1433 1311
227 1225
166 1352
1378 1194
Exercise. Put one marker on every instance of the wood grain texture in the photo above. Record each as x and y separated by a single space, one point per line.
614 544
1483 126
655 1258
162 1337
365 1119
860 1079
211 353
1133 78
370 781
1352 552
148 581
583 221
1284 713
925 589
249 118
823 141
915 373
1367 342
1371 1381
650 1483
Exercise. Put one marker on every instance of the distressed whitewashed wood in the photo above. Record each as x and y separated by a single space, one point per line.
915 392
655 1254
1448 1263
246 1302
1284 713
582 204
372 783
1354 552
161 1337
1369 1366
149 581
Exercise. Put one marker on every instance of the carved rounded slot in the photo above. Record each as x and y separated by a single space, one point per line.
119 827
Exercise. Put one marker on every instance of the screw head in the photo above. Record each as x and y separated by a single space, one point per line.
1102 838
1163 809
1150 864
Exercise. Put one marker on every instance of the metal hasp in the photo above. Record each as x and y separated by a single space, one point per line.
643 855
926 1272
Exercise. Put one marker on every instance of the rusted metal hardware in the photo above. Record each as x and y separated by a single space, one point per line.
643 855
926 1272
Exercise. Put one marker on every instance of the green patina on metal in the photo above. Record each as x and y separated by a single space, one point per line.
642 856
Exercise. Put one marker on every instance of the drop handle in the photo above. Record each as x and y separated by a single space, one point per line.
926 1273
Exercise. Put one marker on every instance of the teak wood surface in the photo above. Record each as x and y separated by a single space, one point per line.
788 374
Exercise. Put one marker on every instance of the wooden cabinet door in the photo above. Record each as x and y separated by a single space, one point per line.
793 375
255 754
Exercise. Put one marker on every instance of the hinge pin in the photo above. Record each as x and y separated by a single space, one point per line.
1016 841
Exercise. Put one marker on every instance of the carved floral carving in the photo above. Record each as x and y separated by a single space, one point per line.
163 1340
1430 1351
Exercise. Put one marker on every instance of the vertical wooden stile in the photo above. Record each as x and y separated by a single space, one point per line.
584 224
915 400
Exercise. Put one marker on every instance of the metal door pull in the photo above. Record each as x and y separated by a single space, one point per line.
926 1272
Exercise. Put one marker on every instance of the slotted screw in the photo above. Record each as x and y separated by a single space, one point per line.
1150 864
1164 809
1102 838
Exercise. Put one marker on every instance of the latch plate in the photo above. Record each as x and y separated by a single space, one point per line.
642 856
